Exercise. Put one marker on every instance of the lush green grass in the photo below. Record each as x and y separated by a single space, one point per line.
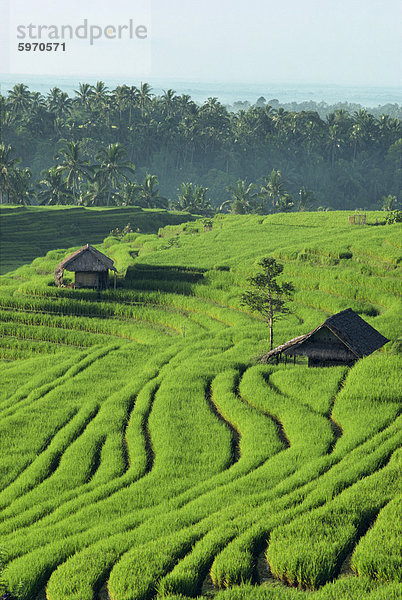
29 231
143 446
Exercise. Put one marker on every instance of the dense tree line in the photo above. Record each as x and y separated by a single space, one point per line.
83 149
324 109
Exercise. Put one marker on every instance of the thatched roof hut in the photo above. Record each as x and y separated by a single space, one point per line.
340 340
91 268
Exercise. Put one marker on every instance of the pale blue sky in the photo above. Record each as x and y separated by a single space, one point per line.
322 41
255 41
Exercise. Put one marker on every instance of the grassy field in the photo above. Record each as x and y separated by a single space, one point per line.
30 231
147 453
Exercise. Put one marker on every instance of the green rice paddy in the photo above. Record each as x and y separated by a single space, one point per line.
145 451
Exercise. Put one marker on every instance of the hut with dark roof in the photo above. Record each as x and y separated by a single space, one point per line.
341 340
90 266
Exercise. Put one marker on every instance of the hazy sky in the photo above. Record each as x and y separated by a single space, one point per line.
259 41
325 41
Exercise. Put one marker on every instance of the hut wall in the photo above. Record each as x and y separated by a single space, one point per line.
87 280
323 347
322 351
92 279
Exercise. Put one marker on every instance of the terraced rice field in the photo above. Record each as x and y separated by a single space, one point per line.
69 225
145 451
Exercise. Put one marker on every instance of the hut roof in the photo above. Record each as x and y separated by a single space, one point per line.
93 254
355 333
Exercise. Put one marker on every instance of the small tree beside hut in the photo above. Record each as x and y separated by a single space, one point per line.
268 297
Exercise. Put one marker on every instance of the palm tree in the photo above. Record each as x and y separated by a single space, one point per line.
73 166
55 190
100 91
390 131
356 138
112 167
59 103
212 105
279 119
126 98
225 207
19 99
5 112
132 98
201 204
272 189
37 102
148 193
168 102
21 186
97 194
342 119
101 100
285 203
367 124
7 168
130 193
389 202
185 105
38 116
244 197
193 199
305 199
84 94
335 142
144 97
185 198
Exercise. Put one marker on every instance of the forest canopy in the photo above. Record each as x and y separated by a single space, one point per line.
129 146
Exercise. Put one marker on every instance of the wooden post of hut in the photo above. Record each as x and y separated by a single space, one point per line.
357 219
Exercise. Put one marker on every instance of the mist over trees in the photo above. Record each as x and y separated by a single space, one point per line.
128 146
